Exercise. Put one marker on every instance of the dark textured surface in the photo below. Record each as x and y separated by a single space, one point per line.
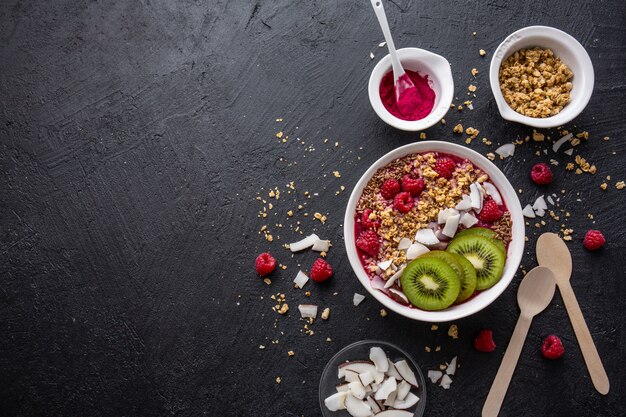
134 138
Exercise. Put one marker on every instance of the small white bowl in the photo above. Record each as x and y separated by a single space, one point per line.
565 47
515 250
425 63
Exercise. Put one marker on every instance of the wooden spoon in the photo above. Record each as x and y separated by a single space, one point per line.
533 296
553 253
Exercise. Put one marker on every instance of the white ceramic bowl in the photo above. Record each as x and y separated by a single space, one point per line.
571 53
515 250
425 63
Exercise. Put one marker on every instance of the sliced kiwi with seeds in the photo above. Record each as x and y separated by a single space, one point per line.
452 260
430 283
483 231
484 255
468 282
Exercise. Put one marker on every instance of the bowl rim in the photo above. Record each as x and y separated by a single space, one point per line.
444 78
569 42
420 408
515 251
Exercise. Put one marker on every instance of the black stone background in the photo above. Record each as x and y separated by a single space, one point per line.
134 138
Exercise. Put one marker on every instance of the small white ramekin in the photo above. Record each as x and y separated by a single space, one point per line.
564 46
515 250
425 63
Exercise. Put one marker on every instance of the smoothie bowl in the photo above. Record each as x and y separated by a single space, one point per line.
434 231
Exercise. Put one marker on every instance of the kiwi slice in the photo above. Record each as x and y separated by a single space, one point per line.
485 256
468 282
430 283
452 259
483 231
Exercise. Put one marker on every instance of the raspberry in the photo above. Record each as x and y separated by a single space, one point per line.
541 174
594 240
321 270
265 264
412 185
367 222
552 348
390 188
490 212
484 341
403 202
368 242
444 167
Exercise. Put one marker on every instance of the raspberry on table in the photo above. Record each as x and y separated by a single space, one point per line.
414 186
552 348
541 174
368 242
265 264
390 188
490 212
367 222
594 240
445 167
321 270
484 342
403 202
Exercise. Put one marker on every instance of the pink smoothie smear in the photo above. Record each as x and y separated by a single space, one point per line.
414 103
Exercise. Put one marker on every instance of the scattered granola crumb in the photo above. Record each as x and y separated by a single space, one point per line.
326 313
261 347
383 312
620 185
279 135
453 331
278 380
482 52
291 353
336 174
458 128
267 281
422 135
437 348
434 327
471 88
474 71
604 185
427 348
537 136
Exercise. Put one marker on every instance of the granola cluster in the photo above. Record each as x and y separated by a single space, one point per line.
535 83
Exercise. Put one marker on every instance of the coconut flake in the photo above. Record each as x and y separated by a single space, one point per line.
389 402
550 200
493 192
540 204
434 376
303 244
405 372
569 152
300 279
366 378
443 215
356 407
528 212
357 389
426 237
468 220
385 265
476 197
394 277
399 294
380 45
386 388
558 143
307 311
357 299
451 369
321 245
371 55
409 401
417 249
452 223
402 391
336 401
374 405
446 381
464 204
404 243
377 355
506 150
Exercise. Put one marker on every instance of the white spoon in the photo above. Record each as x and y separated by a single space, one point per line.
402 82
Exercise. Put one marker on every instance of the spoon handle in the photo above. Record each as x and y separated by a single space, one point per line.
398 71
587 346
505 372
